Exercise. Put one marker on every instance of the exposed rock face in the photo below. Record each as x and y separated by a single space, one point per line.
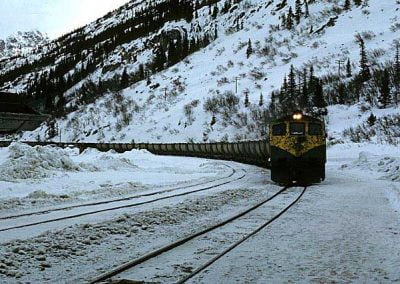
21 42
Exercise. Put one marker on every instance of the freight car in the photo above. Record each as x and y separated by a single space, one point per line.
250 152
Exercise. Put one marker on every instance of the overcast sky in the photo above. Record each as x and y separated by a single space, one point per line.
55 17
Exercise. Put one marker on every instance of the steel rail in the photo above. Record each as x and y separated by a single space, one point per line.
50 210
180 242
233 246
123 206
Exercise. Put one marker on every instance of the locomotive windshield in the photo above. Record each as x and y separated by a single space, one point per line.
315 129
279 129
297 128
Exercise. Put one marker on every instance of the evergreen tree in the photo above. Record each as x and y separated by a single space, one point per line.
273 103
311 74
284 92
246 99
348 69
213 120
289 19
341 94
371 120
384 89
318 96
292 83
261 101
346 5
290 99
141 72
284 21
124 79
148 82
249 51
285 85
299 12
365 74
307 11
357 2
396 77
304 92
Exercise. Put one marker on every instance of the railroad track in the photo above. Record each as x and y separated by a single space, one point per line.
118 204
91 204
117 275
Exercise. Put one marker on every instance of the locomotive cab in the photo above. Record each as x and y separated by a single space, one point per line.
298 149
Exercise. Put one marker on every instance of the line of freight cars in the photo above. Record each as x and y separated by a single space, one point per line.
250 152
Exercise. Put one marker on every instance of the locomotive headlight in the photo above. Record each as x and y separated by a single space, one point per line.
297 116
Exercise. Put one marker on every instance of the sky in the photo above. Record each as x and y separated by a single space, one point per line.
54 17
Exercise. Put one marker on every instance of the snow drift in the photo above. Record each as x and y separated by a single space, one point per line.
26 162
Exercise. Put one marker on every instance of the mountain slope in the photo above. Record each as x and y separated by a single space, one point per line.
21 43
194 98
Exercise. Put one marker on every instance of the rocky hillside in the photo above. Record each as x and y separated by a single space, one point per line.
21 43
207 70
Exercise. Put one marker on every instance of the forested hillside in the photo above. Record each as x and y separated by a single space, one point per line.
215 70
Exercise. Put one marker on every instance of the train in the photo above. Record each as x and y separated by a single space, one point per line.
297 146
295 151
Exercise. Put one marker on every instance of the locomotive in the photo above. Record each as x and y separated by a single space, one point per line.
297 149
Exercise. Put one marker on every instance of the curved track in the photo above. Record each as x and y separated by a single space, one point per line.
209 186
233 171
107 276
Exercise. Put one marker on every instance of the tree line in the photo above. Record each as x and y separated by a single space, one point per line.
73 57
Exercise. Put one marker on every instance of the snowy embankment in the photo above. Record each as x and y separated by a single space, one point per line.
35 175
377 154
371 161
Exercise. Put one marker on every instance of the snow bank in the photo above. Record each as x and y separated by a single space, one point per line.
387 165
94 160
26 162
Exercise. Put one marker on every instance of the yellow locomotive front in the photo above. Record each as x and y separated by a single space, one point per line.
298 149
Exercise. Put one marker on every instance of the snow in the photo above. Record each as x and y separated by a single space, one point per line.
22 43
76 249
336 233
27 172
344 230
25 162
342 117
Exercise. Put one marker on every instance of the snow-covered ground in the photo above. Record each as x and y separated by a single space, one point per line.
48 174
345 229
